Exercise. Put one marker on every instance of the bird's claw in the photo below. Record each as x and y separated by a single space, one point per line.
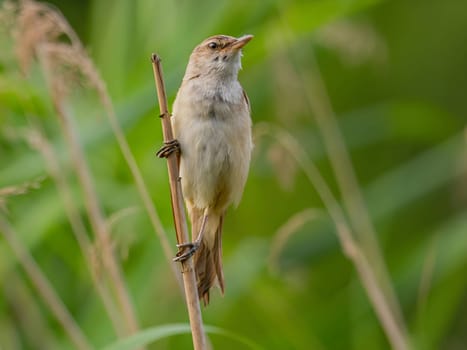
186 251
168 148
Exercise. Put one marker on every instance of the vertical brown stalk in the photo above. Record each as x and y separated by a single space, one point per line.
188 272
360 227
350 246
39 142
354 204
96 218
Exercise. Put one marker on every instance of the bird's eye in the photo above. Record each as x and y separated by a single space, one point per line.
212 45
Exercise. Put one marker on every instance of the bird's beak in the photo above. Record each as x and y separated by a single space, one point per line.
240 42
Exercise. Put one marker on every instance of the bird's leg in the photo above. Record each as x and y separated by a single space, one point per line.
186 250
168 148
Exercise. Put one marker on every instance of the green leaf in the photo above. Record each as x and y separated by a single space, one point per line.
147 336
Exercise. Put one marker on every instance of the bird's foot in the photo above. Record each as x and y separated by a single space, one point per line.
186 251
168 148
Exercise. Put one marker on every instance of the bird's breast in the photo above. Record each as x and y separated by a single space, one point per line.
215 140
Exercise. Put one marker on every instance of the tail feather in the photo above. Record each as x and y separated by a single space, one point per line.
205 272
208 257
217 257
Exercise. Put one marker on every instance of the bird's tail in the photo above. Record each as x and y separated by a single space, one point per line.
208 257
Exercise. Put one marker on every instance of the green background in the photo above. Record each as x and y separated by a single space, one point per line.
395 75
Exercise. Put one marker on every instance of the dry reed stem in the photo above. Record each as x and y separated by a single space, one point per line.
39 142
188 272
320 105
51 57
96 218
353 201
365 271
44 288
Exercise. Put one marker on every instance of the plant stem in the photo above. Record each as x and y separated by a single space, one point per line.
350 246
96 219
181 229
353 202
39 141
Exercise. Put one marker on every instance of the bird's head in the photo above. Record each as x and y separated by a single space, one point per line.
218 55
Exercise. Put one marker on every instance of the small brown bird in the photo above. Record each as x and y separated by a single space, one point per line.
211 121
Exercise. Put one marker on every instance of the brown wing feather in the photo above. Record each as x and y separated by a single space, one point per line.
208 261
217 254
247 100
196 218
205 272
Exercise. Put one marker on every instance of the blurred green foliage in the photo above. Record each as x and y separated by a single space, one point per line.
396 75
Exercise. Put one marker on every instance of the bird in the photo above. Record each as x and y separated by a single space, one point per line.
211 121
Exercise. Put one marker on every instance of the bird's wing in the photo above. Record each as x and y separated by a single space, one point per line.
247 100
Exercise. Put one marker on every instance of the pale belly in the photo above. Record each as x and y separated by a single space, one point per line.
214 163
